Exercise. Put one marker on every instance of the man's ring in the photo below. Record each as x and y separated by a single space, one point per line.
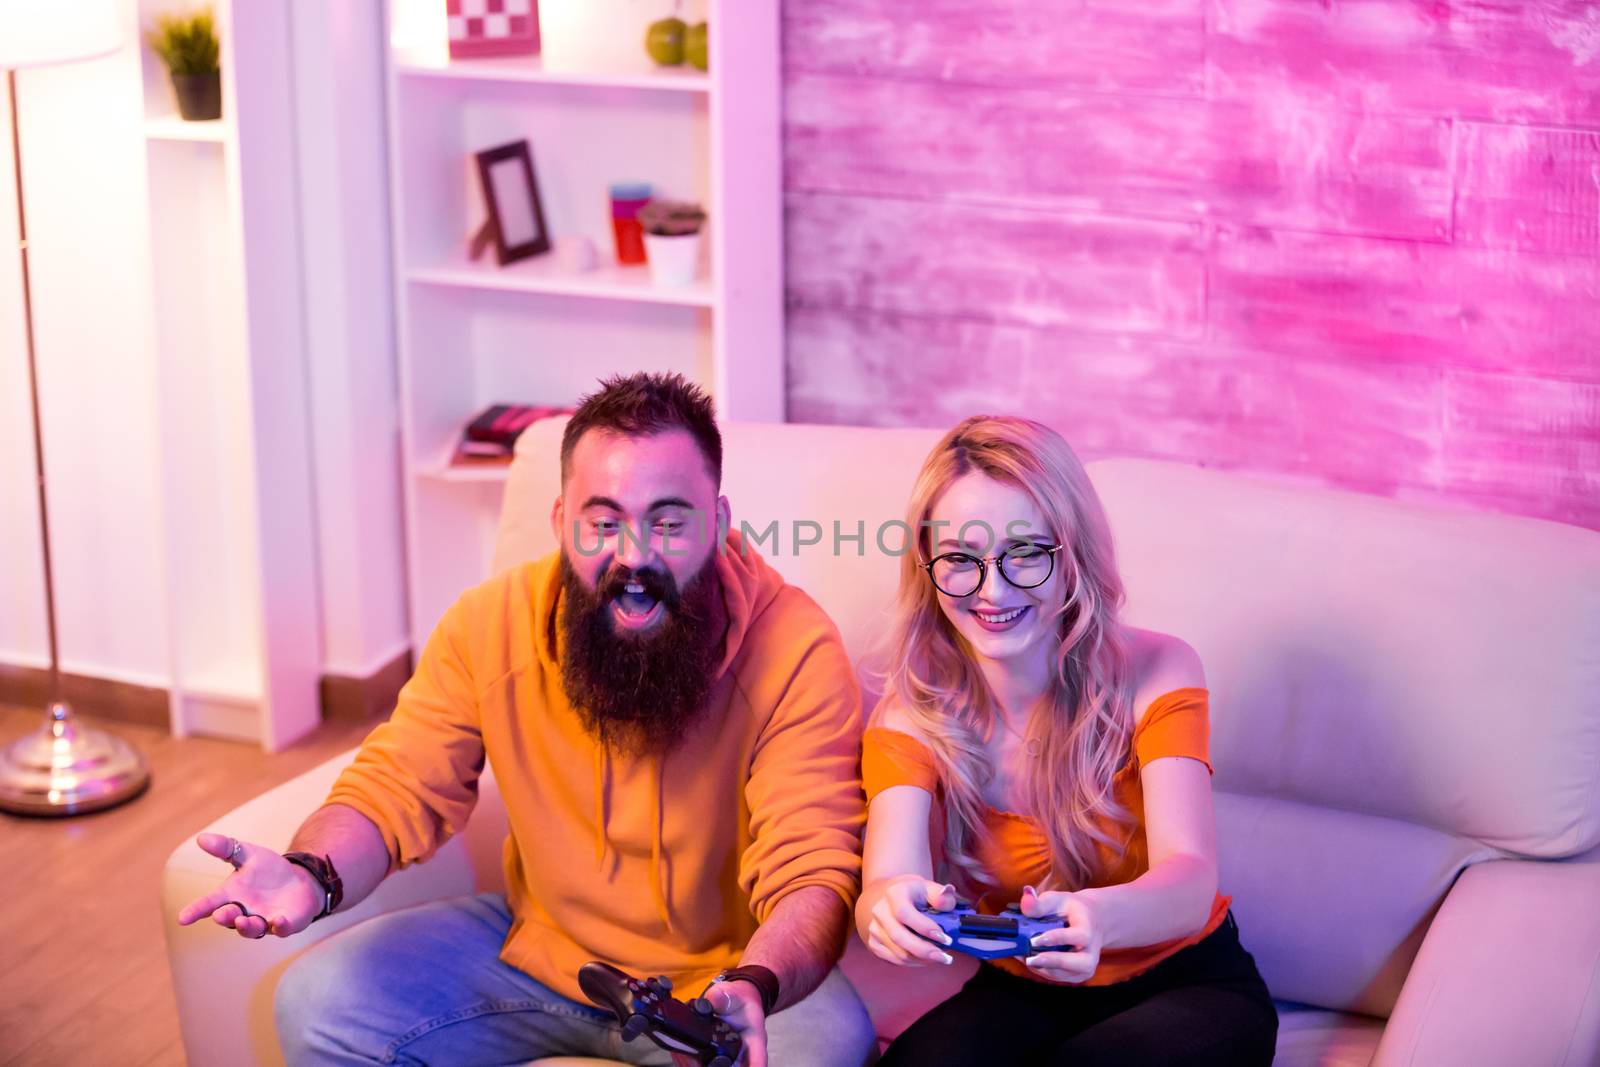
244 913
233 852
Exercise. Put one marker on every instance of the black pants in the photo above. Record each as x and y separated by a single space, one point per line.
1204 1005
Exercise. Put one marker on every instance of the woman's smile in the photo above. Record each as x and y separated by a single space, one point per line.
998 621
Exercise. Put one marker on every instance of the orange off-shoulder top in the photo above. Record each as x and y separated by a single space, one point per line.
1015 851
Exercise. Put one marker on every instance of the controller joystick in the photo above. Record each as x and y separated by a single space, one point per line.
648 1009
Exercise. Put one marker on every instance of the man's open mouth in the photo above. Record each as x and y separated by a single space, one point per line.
635 600
635 607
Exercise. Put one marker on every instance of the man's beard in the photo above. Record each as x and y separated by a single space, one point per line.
640 692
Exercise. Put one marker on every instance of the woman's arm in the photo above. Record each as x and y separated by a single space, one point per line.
1170 900
897 875
1173 898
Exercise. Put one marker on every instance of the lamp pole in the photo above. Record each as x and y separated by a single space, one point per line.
63 767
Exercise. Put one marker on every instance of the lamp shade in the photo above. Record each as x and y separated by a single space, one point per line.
36 32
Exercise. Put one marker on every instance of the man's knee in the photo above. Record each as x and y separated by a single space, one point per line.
312 997
831 1026
858 1038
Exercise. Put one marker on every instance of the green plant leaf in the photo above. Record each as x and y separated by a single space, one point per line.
187 44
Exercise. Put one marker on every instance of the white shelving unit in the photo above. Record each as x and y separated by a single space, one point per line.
543 275
424 63
173 128
240 555
594 110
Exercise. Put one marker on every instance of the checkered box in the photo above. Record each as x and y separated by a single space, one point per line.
493 27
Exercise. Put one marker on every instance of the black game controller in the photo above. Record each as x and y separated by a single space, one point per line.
992 937
647 1007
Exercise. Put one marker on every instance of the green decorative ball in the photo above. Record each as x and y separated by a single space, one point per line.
694 47
664 41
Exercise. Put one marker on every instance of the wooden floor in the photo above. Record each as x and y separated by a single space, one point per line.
83 966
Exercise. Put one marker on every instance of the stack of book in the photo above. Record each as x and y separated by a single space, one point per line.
491 436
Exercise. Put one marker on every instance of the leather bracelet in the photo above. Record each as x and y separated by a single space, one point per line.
322 872
762 978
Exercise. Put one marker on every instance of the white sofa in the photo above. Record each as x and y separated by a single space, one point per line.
1406 732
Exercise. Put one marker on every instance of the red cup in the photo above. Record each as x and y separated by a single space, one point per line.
626 200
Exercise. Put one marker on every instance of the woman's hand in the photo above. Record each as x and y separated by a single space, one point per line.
1082 934
264 894
901 934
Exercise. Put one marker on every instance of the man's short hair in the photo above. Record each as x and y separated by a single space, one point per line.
640 405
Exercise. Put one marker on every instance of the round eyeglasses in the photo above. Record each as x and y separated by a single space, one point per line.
1024 566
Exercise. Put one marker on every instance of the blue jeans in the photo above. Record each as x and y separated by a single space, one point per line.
426 986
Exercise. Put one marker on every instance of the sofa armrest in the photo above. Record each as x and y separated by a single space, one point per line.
223 984
1509 971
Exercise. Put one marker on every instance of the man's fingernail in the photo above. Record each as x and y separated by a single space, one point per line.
946 958
1031 960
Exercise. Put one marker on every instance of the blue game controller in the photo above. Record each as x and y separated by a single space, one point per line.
992 937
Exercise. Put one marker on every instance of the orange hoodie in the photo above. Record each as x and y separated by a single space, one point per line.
657 865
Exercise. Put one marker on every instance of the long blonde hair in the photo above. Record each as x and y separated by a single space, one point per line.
1085 725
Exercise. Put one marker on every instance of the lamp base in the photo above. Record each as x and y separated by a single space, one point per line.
64 768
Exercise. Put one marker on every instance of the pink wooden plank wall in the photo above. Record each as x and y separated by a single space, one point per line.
1351 240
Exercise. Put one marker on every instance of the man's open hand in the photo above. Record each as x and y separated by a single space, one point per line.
265 893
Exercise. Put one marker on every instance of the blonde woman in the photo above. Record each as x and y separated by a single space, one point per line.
1057 758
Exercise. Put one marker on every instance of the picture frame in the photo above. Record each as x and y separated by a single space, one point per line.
516 224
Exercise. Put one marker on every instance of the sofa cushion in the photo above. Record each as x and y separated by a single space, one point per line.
1333 905
1310 1037
1428 664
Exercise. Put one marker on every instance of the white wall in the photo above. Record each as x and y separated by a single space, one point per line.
88 213
84 178
344 209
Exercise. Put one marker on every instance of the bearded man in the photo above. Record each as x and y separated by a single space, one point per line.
675 734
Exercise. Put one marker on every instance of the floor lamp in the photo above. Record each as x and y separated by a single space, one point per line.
64 767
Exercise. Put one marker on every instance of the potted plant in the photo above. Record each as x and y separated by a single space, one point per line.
188 45
672 240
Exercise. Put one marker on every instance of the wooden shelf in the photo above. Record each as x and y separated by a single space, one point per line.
542 274
532 69
173 128
445 471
